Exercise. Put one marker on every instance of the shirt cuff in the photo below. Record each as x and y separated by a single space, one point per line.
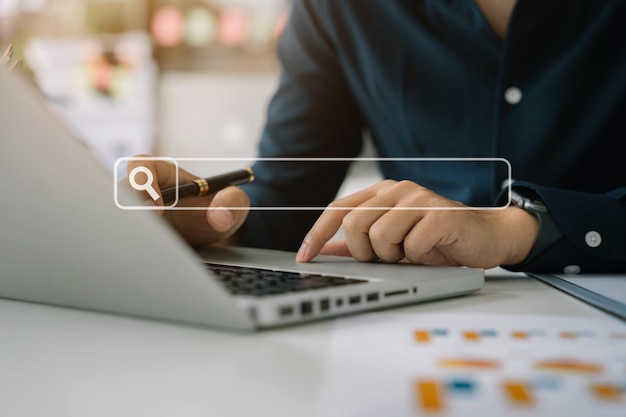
592 227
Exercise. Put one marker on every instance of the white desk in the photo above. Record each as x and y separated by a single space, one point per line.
59 362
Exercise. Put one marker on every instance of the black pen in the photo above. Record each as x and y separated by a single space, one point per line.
206 186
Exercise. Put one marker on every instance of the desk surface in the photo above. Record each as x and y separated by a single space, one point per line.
63 362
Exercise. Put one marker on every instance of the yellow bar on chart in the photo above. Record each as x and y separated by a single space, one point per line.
607 392
519 335
429 396
518 393
569 366
469 363
471 336
422 336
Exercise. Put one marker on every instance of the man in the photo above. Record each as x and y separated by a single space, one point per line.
542 84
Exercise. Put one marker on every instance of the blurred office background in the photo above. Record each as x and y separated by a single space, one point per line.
176 78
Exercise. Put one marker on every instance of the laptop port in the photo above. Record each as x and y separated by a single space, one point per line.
306 307
339 302
372 297
355 299
324 304
394 293
285 311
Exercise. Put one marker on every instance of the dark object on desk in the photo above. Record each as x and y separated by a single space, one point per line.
206 186
597 295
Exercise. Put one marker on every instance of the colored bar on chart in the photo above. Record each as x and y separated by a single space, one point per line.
606 392
469 363
471 336
461 386
429 396
421 336
568 335
440 332
518 393
569 366
520 335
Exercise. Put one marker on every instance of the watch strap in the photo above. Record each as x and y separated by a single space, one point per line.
549 233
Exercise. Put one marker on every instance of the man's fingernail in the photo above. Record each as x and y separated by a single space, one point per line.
223 217
303 252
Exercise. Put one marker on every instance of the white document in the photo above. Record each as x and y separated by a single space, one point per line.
398 364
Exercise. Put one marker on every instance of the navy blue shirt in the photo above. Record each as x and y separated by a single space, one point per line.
431 79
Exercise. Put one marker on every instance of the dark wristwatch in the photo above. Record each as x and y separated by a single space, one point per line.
549 233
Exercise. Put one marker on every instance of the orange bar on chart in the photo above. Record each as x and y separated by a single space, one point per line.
477 364
519 335
429 396
518 393
422 336
471 336
570 366
568 335
607 392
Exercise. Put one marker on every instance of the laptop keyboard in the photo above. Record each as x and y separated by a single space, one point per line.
263 282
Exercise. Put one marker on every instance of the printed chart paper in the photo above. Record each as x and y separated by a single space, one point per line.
388 364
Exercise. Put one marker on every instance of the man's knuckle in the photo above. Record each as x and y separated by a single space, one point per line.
378 233
406 185
412 249
366 256
385 185
350 222
388 256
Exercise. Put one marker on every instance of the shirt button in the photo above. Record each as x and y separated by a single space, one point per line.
513 95
593 239
572 269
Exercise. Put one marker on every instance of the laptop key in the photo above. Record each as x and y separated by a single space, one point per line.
263 282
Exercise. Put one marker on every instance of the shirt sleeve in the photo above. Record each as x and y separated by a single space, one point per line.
593 231
311 115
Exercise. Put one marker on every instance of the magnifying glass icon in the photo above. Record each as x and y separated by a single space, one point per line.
147 186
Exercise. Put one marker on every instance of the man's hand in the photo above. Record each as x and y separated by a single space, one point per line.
381 223
198 227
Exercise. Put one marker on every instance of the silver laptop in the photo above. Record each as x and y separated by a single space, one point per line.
63 241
